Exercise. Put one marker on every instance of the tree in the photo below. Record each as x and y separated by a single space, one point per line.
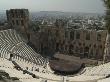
107 43
107 17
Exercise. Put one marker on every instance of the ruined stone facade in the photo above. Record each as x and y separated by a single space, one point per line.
77 42
58 38
86 43
19 20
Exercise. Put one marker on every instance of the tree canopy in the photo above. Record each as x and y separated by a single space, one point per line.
107 17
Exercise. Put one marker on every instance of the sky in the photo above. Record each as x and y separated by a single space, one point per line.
88 6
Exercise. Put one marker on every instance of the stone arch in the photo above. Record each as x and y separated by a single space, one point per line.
11 56
86 52
71 48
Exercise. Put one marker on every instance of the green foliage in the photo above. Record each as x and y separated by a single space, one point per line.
34 26
107 17
107 3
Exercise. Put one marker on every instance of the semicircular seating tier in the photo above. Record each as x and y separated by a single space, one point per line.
12 43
